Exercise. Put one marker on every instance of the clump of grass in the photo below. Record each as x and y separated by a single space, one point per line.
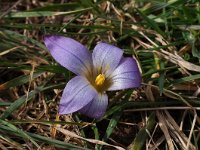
162 114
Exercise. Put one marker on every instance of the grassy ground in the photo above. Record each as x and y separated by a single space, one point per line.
163 35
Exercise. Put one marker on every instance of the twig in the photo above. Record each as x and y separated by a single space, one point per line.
5 13
163 108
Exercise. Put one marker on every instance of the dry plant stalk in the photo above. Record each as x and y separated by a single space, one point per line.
72 134
174 58
161 118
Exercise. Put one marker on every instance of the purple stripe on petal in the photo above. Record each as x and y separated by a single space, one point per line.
69 53
77 94
126 75
106 57
97 107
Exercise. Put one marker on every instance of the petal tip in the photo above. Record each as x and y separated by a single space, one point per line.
95 116
45 37
61 110
50 37
97 108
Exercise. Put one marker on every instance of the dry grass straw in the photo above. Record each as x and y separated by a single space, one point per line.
168 131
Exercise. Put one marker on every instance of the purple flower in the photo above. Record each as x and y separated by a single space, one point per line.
103 70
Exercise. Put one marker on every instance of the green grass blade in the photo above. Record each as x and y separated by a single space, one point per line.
9 35
142 135
151 23
43 13
18 131
186 79
19 102
39 138
60 7
15 145
161 79
112 124
19 80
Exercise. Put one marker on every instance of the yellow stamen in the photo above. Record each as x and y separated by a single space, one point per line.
100 79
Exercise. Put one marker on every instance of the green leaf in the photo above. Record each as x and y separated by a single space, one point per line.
151 23
142 135
186 79
43 13
195 51
10 35
18 131
112 124
90 3
161 79
19 80
5 104
19 102
13 143
42 139
56 7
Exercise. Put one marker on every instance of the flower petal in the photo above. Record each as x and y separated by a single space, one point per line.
106 57
69 53
77 94
126 75
97 107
